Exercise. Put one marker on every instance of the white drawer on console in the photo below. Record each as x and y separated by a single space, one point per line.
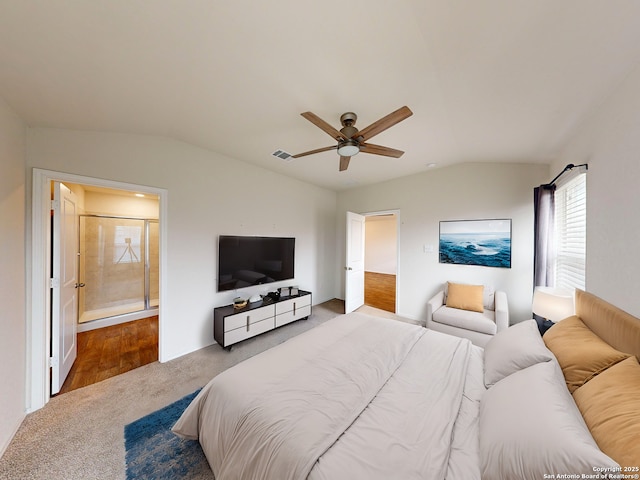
293 304
288 317
243 333
241 319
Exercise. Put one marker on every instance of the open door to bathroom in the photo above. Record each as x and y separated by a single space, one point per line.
64 284
117 264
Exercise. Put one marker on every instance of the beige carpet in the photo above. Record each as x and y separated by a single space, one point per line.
79 435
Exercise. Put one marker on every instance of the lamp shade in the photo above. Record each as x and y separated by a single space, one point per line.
554 304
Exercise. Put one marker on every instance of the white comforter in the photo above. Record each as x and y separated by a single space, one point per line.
357 398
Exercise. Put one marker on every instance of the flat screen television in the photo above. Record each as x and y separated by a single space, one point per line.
244 261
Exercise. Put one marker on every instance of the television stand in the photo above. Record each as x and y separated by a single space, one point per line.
231 325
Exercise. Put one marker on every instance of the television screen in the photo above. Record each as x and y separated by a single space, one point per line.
245 261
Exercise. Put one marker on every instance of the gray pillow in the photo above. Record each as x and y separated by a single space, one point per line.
512 350
530 426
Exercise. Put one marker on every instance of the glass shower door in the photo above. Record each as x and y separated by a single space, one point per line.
154 263
112 266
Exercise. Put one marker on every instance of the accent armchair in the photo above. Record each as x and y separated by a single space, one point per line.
476 312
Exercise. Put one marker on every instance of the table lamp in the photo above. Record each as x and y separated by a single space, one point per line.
554 304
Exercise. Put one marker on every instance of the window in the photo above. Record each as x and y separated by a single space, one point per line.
571 232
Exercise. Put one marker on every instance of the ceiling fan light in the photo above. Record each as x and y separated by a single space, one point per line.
348 149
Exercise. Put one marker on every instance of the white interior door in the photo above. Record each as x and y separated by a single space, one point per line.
354 270
64 285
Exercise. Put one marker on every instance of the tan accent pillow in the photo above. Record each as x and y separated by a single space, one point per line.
610 407
580 352
465 297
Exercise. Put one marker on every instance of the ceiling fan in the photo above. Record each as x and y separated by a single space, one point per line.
352 141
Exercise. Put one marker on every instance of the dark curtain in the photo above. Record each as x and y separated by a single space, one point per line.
544 248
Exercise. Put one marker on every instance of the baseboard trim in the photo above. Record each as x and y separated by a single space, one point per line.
5 445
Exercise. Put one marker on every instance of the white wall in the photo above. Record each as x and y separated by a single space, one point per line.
381 244
12 274
610 144
460 192
208 195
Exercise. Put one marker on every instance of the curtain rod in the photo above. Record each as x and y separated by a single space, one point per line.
569 167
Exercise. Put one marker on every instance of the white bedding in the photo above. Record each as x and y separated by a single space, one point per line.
357 397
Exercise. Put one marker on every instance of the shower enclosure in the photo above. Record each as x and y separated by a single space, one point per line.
119 268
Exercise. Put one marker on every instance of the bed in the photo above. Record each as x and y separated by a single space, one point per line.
371 398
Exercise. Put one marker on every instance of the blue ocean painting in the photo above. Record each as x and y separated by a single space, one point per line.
484 248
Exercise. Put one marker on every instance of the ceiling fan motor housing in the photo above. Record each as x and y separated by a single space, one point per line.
349 132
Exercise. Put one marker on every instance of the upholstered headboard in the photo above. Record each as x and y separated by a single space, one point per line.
615 326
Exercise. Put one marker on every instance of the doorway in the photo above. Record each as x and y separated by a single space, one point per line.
114 250
373 236
40 283
381 261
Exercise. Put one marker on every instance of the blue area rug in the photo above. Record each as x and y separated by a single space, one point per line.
154 452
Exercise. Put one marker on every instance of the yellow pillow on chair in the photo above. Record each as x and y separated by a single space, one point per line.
465 297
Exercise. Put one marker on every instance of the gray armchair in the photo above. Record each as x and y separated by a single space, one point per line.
479 327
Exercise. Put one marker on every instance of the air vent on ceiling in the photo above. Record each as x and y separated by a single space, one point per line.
283 155
350 183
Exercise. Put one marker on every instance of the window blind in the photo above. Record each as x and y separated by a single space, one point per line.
571 233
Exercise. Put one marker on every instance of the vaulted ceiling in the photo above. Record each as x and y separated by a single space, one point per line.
487 80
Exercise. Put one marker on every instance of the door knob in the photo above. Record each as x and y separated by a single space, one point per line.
79 285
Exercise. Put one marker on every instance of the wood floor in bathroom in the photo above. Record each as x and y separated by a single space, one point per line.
110 351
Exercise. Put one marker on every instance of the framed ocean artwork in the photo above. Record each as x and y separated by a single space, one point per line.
486 243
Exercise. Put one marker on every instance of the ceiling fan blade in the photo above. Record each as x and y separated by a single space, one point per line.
317 150
380 150
344 163
318 122
385 122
